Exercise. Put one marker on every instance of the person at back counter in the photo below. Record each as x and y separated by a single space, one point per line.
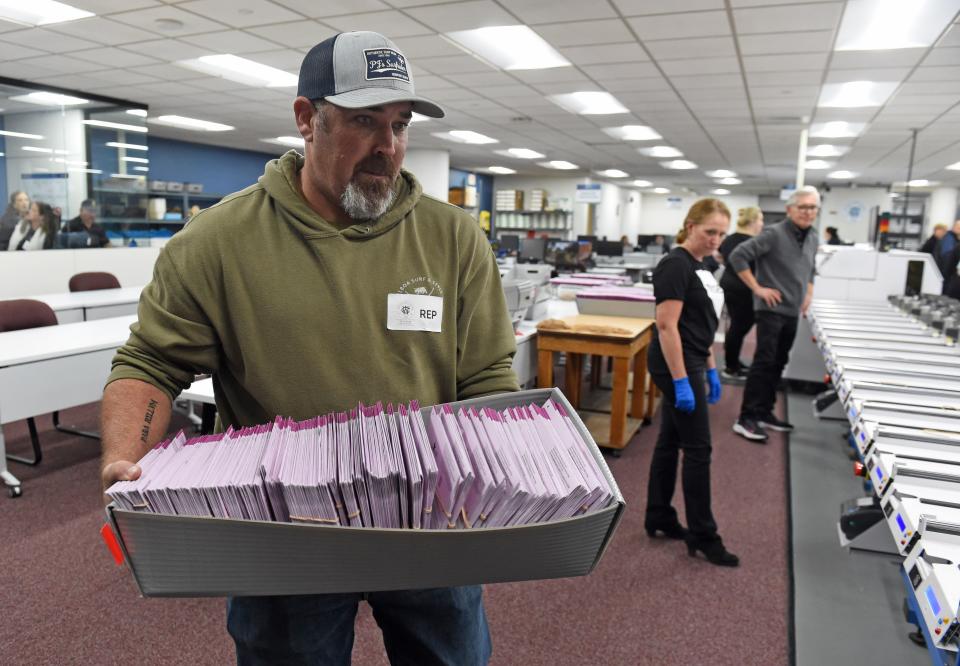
86 221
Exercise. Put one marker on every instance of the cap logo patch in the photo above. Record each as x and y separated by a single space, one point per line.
386 64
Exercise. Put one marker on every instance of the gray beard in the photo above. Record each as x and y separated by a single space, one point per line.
360 205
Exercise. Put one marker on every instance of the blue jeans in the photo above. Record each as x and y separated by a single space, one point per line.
445 626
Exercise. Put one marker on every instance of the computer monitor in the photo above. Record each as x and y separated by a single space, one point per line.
585 237
532 250
609 248
562 253
585 251
510 243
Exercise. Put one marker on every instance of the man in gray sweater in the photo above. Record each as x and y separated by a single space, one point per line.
782 289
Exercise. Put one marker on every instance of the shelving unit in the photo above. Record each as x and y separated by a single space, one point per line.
903 231
541 220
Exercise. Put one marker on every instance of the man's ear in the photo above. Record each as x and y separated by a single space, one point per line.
303 114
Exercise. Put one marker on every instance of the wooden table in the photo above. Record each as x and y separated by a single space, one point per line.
625 340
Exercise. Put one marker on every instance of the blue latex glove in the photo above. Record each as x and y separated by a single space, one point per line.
684 401
713 379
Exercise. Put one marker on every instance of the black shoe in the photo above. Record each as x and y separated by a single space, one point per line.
733 374
772 422
670 530
714 552
750 429
744 366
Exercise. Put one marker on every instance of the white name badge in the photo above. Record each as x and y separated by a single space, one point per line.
412 312
714 290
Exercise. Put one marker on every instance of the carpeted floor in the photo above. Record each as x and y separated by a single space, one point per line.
65 602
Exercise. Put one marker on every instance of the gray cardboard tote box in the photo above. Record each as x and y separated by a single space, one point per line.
180 556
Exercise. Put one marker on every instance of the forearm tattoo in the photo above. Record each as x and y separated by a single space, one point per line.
147 420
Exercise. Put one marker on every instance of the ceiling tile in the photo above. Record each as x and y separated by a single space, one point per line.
885 74
169 72
624 70
776 78
943 55
585 32
708 66
877 59
639 7
241 13
174 22
114 57
639 85
52 42
102 30
557 74
426 46
101 7
231 41
678 26
461 16
314 9
546 11
704 81
168 49
298 34
609 53
813 41
120 77
699 48
17 52
785 63
62 64
453 65
391 23
790 18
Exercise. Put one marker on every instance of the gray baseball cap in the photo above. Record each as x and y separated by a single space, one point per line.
360 69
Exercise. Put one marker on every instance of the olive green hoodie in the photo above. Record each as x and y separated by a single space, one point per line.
290 314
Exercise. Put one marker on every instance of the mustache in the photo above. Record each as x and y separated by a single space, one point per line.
380 166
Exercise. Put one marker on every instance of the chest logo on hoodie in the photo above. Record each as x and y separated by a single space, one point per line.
421 286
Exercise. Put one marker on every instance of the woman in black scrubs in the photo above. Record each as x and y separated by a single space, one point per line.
737 295
681 363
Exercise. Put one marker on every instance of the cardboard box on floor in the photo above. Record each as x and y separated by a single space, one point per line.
179 556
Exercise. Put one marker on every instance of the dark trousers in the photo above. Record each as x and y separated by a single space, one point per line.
740 308
691 433
775 334
437 627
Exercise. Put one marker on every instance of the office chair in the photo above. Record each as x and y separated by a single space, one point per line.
17 315
92 281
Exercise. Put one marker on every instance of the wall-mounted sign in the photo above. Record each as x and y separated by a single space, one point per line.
589 193
674 202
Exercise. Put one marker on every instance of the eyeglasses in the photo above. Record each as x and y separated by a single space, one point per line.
808 208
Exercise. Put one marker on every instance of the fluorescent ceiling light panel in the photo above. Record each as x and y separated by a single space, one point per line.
184 122
633 133
40 12
140 113
836 129
921 182
660 151
117 126
125 175
730 181
613 173
720 191
876 25
816 165
241 70
521 153
856 94
141 168
128 146
661 190
842 175
827 150
953 167
292 141
722 173
501 170
21 135
559 164
82 170
49 99
465 136
141 160
508 47
642 183
678 164
36 149
589 103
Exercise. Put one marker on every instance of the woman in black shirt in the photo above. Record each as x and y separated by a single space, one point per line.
681 364
738 297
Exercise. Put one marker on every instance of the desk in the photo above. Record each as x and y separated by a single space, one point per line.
51 368
71 307
627 348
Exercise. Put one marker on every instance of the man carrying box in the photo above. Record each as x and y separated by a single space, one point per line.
304 294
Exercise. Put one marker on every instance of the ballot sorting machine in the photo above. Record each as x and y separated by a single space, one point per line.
894 368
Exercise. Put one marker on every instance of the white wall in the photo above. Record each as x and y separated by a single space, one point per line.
60 131
432 169
852 210
662 214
